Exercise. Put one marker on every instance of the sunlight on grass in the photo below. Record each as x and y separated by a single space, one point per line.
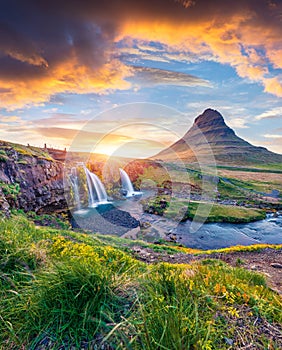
65 289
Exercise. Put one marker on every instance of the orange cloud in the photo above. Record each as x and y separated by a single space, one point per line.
273 85
64 47
67 76
237 40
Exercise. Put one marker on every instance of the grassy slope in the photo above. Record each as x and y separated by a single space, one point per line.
229 188
262 167
22 150
179 209
218 213
72 290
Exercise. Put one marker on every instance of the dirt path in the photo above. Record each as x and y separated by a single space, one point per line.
267 261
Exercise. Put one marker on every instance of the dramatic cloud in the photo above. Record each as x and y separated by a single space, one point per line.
153 76
51 47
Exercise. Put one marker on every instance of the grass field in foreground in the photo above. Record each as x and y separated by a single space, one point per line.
67 290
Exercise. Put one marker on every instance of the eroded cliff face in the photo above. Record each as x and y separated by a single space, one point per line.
30 180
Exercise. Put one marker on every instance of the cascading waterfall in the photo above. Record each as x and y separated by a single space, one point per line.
96 190
127 184
74 182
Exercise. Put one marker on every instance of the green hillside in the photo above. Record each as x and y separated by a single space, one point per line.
66 290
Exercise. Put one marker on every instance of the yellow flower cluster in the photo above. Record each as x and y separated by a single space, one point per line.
233 311
66 248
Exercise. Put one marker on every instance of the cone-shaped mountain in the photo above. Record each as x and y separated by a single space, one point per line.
210 139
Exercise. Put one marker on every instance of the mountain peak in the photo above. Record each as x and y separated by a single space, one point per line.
211 124
209 132
209 117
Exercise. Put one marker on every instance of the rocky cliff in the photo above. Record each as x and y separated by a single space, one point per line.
30 179
210 137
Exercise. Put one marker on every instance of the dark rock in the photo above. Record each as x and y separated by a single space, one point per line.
106 219
276 265
40 182
120 218
4 205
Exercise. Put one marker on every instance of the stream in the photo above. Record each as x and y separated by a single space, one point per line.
221 235
114 219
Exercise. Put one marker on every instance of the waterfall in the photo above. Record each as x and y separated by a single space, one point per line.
96 190
127 184
74 182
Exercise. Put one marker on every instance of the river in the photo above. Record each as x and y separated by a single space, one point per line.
207 236
221 235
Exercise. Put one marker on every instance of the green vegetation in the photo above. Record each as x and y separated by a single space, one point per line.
234 188
3 156
229 213
22 151
178 209
55 221
11 190
229 190
61 289
260 168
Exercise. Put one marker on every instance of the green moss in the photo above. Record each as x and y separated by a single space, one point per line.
3 158
3 155
22 161
12 190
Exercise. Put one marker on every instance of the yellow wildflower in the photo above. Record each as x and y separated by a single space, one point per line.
191 284
217 288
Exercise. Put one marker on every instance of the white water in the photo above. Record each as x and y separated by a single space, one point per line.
127 184
74 182
96 190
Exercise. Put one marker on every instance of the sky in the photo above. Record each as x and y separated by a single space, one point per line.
120 75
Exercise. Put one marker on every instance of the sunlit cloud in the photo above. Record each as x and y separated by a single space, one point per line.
274 142
273 136
75 49
68 76
153 76
9 119
134 55
238 123
273 113
273 85
121 144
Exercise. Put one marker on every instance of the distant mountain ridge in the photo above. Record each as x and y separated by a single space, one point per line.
210 135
